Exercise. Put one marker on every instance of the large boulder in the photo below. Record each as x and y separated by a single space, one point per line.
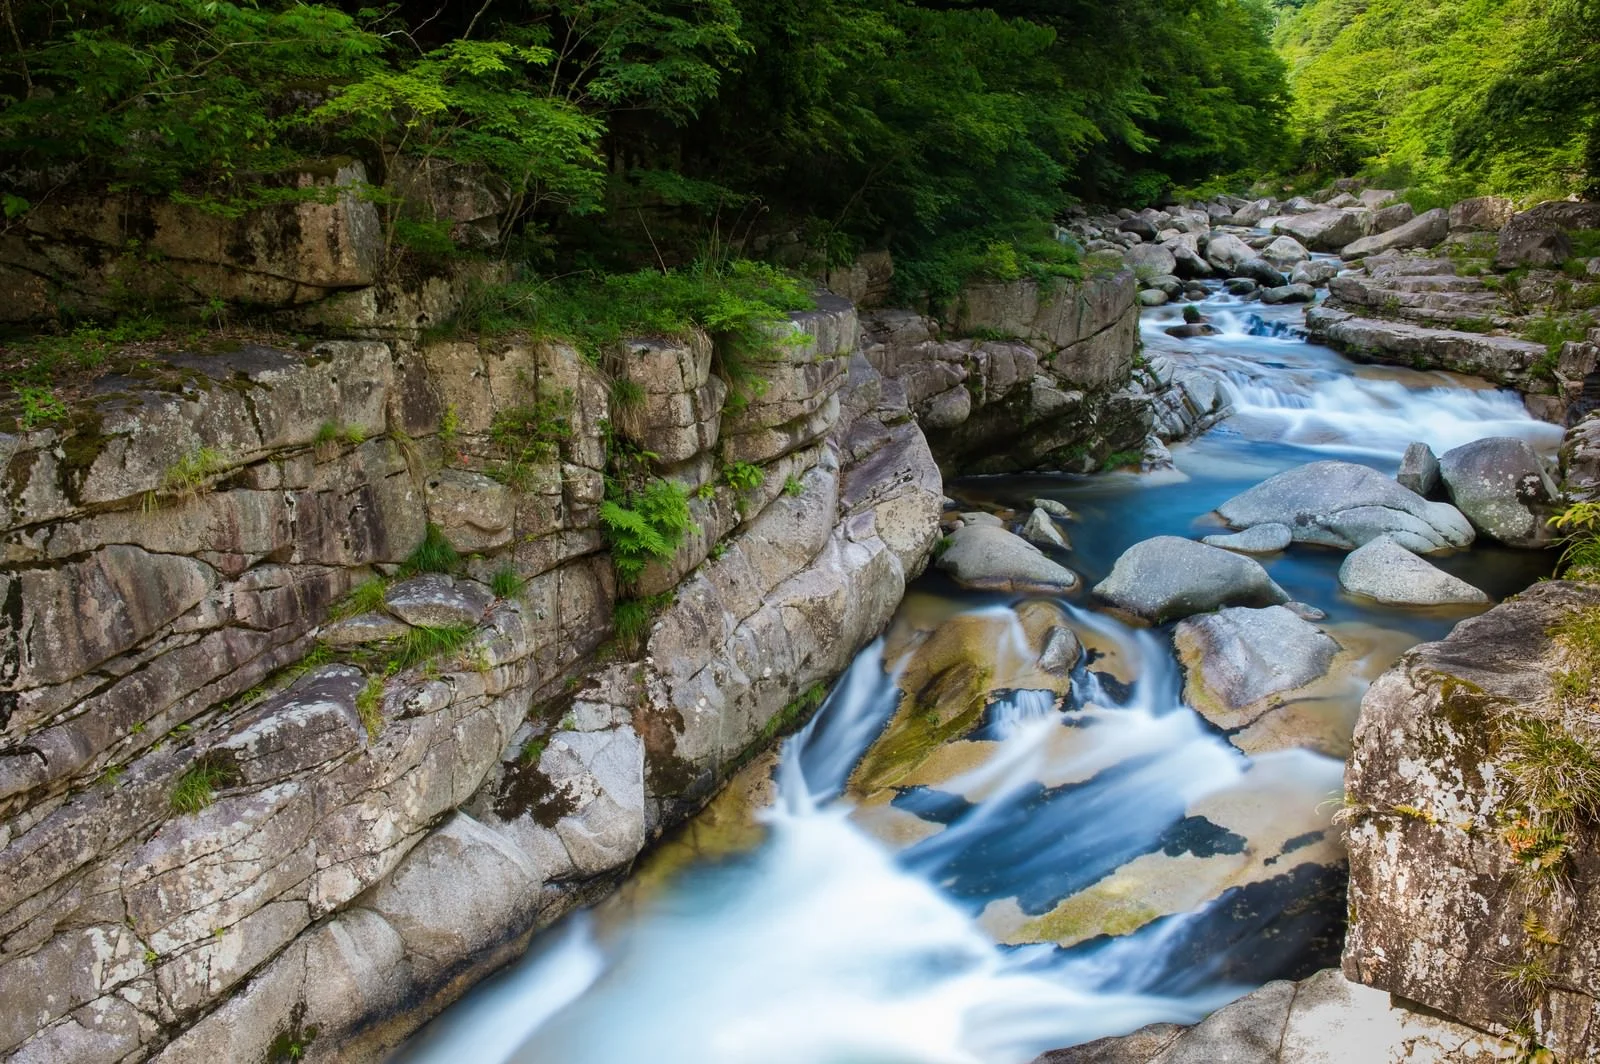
1538 236
1502 488
1289 293
1252 213
1387 572
1423 231
1150 260
1241 663
1169 577
1344 505
1225 251
1467 895
1322 230
1285 253
989 557
1391 217
1261 272
1314 272
1481 214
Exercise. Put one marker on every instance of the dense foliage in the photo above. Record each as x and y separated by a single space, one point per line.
640 131
1460 95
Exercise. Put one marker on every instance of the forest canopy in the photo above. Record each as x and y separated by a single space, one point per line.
617 124
1461 95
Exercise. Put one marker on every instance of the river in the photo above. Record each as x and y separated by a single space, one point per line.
1089 859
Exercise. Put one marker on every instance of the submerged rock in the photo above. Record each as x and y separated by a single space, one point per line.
1502 488
990 558
1341 504
1385 571
1241 663
1169 577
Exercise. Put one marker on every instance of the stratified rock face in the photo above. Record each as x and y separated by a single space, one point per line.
1501 485
1341 504
1325 1019
1168 577
381 831
1061 395
1446 906
76 255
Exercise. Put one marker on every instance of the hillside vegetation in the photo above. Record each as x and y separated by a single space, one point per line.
640 131
1462 96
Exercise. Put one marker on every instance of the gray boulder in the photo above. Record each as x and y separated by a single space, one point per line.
1289 293
1153 297
1385 571
990 558
1323 230
1260 271
1187 262
1481 214
1376 198
1501 486
1344 505
1419 469
1285 253
1423 231
1240 663
1150 259
1140 227
1391 218
1040 530
1252 213
1261 539
1314 271
1225 251
1169 577
1240 286
434 600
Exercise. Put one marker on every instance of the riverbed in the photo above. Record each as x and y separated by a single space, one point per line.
1092 856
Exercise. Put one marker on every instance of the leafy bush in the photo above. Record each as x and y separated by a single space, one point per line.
644 526
744 477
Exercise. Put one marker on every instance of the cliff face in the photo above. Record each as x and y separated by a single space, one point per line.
251 749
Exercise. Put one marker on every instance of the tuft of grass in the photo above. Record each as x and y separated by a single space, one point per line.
626 394
369 706
433 555
506 583
1552 772
419 645
1580 558
1528 979
197 787
189 475
365 597
1473 325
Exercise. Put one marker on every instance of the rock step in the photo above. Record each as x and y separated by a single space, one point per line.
1502 359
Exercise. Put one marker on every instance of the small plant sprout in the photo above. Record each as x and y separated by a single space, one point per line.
369 706
744 477
792 485
190 475
197 787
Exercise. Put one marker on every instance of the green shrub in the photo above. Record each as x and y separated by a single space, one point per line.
744 477
644 526
40 406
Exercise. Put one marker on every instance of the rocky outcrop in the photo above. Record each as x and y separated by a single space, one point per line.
90 255
1326 1019
1058 395
1423 231
1344 505
238 802
1473 885
1502 359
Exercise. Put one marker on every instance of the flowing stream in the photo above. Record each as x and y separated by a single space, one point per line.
1088 860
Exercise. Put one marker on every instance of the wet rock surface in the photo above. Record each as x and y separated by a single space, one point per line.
1385 571
1169 577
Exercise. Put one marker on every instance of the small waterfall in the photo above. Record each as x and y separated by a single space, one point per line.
824 946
